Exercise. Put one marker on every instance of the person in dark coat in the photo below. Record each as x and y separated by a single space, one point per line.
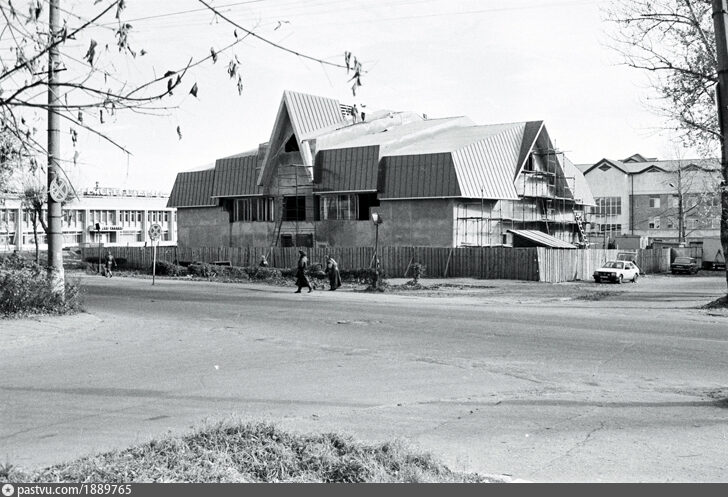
332 269
301 278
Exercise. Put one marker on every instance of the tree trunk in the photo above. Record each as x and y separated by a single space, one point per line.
35 238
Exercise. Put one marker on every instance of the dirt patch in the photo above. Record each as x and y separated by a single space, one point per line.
598 295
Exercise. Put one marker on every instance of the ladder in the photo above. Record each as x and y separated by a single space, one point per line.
584 240
277 228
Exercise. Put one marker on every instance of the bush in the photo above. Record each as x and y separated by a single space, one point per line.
418 271
263 273
24 289
164 268
234 273
203 270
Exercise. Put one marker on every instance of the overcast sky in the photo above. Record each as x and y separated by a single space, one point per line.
493 60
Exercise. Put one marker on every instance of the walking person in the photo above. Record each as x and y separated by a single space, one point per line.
332 269
263 261
109 262
301 278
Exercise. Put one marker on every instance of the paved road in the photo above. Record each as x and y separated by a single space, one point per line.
623 389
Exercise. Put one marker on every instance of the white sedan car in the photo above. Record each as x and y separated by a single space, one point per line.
617 272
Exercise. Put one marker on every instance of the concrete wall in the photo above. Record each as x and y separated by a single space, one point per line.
428 223
203 227
346 233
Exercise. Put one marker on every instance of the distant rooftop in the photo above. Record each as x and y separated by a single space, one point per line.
98 191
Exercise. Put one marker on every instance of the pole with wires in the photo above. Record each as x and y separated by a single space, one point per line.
55 208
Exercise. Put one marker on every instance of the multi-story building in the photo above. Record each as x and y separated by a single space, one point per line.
436 182
668 200
123 218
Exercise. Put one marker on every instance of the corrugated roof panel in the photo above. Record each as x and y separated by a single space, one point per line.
193 189
236 176
413 176
310 113
490 163
347 169
542 239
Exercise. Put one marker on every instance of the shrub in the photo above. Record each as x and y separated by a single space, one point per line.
203 269
24 289
164 268
263 273
234 273
418 271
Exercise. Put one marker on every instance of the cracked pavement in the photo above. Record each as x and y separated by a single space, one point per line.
622 389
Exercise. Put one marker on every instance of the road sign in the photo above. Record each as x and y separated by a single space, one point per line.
59 189
155 232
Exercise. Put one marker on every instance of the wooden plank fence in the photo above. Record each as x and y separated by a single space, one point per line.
528 264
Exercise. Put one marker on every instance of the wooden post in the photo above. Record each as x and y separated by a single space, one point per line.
447 264
154 262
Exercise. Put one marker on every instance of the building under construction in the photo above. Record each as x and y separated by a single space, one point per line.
435 182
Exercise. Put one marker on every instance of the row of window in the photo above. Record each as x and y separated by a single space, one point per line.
690 223
689 201
608 206
326 207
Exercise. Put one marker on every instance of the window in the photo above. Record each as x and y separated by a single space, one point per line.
608 206
251 209
655 201
604 168
675 202
654 223
294 208
609 228
670 223
693 223
338 207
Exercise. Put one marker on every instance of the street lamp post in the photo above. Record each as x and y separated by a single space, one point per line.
377 220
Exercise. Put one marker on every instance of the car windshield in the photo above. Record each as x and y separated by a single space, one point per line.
614 265
683 260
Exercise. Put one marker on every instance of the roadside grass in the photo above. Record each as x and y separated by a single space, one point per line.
252 453
596 295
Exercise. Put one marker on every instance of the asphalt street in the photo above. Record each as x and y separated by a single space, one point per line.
630 388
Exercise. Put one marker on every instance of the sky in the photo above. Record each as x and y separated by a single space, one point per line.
494 61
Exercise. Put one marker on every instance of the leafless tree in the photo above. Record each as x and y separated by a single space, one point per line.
33 200
64 64
673 41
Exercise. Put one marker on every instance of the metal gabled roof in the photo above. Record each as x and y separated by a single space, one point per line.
236 176
466 161
485 168
582 192
418 176
346 169
193 189
542 239
310 113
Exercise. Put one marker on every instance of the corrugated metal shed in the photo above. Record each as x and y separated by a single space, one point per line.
418 176
541 239
310 114
347 169
236 176
193 189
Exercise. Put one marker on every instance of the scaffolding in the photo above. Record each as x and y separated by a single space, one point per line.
547 202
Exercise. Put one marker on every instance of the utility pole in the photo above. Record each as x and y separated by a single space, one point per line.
55 231
720 15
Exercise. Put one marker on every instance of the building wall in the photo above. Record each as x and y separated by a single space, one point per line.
611 183
426 222
337 233
203 227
